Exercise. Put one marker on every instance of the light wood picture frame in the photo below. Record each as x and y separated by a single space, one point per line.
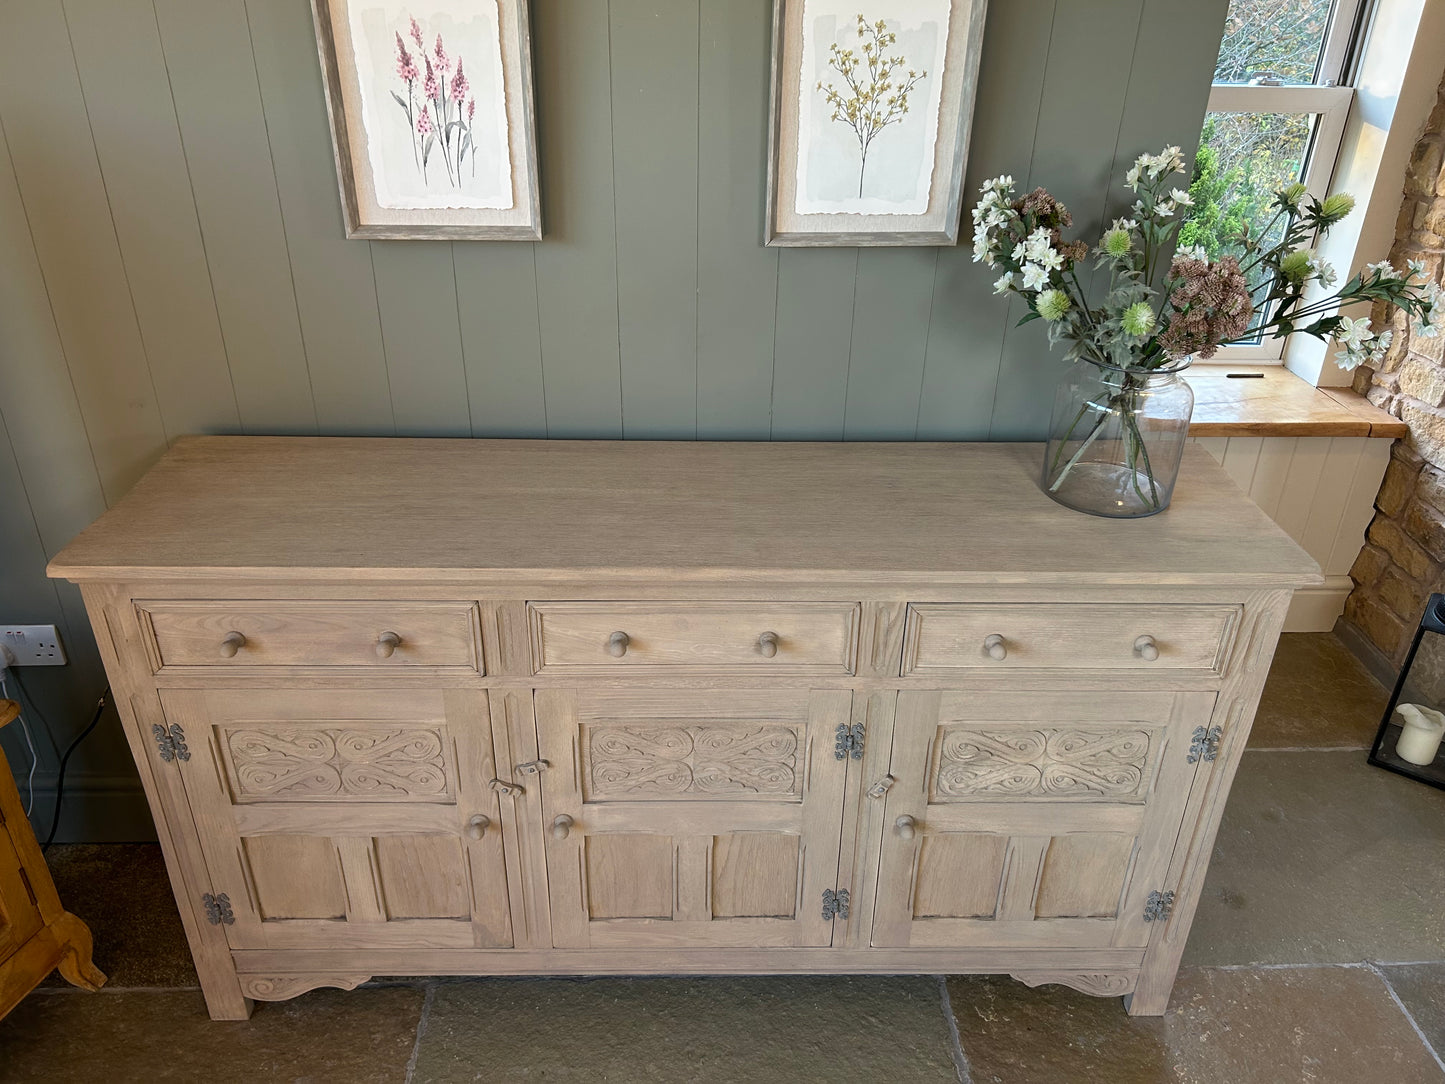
432 115
877 93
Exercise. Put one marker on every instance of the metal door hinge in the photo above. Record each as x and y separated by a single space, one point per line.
532 767
1159 906
1205 745
502 786
849 742
882 787
218 909
835 904
171 743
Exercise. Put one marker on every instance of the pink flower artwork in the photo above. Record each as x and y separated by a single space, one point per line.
438 112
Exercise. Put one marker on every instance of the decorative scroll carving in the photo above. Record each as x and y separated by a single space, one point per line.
1097 983
281 987
712 760
338 763
1093 762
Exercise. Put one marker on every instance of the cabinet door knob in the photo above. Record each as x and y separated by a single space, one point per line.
617 644
478 825
905 826
233 643
561 826
768 644
995 648
386 644
1146 648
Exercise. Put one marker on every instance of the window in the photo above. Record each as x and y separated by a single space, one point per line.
1276 115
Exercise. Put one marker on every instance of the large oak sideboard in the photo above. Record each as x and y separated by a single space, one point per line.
498 707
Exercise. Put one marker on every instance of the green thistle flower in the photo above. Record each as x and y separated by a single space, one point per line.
1052 304
1336 207
1138 319
1295 266
1117 243
1291 196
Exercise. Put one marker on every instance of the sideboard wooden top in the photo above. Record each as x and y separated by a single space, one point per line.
333 508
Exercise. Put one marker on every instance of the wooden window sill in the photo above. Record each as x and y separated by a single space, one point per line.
1280 404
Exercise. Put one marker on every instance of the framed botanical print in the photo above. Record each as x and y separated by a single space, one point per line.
872 104
432 119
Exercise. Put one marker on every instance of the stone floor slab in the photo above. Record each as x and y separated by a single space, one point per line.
1323 859
62 1036
1421 988
1317 1025
1318 696
724 1030
122 892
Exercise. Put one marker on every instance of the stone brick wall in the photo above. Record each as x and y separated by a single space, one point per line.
1404 553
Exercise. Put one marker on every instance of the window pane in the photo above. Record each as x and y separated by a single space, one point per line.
1272 40
1243 160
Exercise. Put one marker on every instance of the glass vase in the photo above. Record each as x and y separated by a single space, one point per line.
1116 438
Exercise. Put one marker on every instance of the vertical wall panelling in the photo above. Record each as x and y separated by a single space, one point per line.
890 333
1272 472
1241 458
66 207
577 259
812 341
1306 468
37 399
1359 506
416 289
966 324
496 285
1073 158
138 142
737 276
335 285
655 136
223 133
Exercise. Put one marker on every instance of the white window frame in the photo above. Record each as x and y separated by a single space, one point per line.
1329 99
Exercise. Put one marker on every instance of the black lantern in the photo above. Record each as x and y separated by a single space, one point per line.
1409 739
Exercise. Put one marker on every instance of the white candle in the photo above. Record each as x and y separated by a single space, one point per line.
1421 734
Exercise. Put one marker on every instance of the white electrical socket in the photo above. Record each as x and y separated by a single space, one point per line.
33 645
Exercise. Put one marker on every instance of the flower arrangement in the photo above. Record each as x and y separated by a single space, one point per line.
444 109
1158 312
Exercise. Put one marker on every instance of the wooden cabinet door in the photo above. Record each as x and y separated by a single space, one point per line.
20 917
691 818
1032 820
345 819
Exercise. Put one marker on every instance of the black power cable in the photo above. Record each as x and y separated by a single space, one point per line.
65 758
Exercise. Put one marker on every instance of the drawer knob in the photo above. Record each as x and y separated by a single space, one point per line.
233 643
905 826
478 825
768 644
1146 648
561 826
386 645
617 644
995 648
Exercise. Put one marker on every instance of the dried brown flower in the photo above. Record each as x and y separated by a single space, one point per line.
1211 305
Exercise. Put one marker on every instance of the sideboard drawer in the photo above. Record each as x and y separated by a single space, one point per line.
793 637
286 633
952 637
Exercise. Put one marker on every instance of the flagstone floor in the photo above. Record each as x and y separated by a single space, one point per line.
1318 955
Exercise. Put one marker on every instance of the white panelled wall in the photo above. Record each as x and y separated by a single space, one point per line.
1321 490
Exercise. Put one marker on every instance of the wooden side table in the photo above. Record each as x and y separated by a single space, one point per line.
37 935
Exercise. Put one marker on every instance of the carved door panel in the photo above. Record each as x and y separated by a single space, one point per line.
697 818
346 819
1032 820
20 917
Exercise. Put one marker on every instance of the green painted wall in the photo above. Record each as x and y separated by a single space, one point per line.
172 261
